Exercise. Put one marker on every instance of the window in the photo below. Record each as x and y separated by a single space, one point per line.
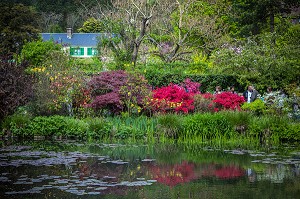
77 51
92 51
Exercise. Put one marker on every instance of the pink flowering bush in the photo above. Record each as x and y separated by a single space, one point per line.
228 101
175 98
191 87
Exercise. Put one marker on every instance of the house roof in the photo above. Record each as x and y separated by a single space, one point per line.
77 39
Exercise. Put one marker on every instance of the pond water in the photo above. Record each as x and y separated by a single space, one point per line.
79 170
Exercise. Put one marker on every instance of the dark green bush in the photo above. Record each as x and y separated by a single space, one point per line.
15 125
159 78
51 126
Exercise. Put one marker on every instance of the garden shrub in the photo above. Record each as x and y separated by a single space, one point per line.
115 91
258 107
15 125
56 126
203 103
105 91
15 86
134 94
291 133
57 84
124 132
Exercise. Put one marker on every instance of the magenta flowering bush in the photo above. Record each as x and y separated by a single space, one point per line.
175 98
191 87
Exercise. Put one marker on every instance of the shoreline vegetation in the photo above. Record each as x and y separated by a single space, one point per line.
232 129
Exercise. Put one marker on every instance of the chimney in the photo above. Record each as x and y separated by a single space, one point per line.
69 33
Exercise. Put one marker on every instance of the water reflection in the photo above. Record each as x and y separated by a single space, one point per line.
59 170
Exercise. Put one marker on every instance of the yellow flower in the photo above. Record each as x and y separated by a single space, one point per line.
129 93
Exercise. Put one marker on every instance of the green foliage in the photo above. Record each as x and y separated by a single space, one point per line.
258 107
269 129
169 125
291 133
135 93
124 132
37 51
51 126
259 61
57 84
88 66
206 126
255 17
164 74
240 120
18 24
98 127
15 124
92 25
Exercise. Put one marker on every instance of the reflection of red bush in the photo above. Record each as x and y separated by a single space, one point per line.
229 172
175 174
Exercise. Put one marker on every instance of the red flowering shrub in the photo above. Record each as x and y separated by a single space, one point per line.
228 100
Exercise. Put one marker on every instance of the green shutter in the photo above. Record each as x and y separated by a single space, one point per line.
81 51
90 51
71 51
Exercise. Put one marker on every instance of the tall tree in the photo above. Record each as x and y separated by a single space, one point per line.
190 25
254 16
18 23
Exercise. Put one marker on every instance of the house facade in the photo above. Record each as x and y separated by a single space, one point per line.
81 45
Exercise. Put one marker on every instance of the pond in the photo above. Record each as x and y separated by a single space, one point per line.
42 169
